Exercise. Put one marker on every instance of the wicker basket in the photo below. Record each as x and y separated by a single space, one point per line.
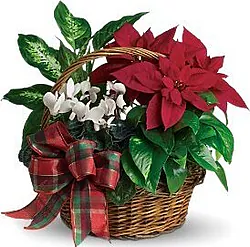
146 215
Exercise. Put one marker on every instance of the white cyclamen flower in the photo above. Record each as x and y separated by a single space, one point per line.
97 126
119 88
53 102
108 105
70 89
67 105
120 102
79 110
96 115
88 91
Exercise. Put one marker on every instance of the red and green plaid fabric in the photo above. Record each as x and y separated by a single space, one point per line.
31 209
50 211
66 168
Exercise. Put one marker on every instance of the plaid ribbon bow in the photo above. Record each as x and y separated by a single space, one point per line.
63 168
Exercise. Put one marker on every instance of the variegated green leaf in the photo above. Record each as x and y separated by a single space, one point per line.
30 97
38 54
66 58
76 31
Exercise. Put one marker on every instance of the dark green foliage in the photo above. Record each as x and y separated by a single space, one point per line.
105 34
124 192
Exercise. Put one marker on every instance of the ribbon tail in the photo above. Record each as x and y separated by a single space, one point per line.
50 211
80 219
31 209
99 213
88 212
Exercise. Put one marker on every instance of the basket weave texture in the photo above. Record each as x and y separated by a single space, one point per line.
146 215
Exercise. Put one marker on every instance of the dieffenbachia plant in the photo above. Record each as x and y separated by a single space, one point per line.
158 114
52 62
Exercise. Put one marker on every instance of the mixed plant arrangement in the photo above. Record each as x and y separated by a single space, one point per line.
157 114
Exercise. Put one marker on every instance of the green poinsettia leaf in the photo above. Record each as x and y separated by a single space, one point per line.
66 57
142 153
136 115
124 191
224 141
76 31
179 153
38 54
31 97
209 97
221 175
205 132
185 137
215 143
175 175
149 159
203 156
131 169
164 139
189 119
159 159
151 183
105 34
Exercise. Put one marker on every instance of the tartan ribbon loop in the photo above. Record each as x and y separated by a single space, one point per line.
80 159
63 168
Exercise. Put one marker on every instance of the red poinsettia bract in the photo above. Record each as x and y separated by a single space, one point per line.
172 83
196 55
178 78
128 36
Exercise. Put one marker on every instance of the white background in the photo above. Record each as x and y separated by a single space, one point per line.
216 218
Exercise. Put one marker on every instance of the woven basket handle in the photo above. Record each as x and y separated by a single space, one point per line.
135 51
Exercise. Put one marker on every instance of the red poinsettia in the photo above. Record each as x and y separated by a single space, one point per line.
196 55
178 78
172 83
128 36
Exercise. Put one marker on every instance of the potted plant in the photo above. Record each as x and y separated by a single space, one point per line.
118 149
